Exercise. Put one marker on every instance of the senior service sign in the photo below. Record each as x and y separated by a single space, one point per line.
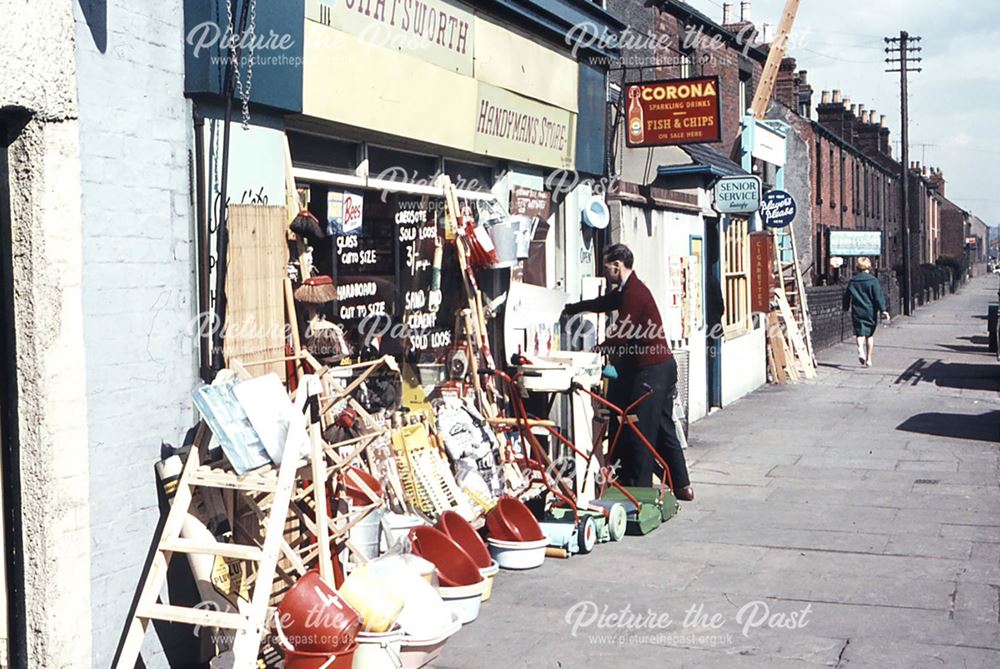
678 111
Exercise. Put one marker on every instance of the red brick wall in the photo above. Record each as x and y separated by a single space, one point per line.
723 62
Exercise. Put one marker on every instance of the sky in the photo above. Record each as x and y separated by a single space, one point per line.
953 103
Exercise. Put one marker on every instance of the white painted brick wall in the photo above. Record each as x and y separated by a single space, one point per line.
138 286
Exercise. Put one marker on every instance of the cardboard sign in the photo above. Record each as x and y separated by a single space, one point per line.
529 202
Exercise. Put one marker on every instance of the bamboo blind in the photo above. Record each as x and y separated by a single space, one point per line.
255 307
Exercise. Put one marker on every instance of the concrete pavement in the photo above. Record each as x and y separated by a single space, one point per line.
853 521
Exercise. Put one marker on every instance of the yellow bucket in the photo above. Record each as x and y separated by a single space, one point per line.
377 604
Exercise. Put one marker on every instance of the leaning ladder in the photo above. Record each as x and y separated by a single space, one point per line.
249 623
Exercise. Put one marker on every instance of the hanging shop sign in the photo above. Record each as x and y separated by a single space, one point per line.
437 31
761 271
778 209
678 111
530 202
737 195
855 243
971 242
511 126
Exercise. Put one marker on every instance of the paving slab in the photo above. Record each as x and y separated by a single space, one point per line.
858 513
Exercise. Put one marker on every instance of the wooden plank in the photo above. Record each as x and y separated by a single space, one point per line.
795 336
237 551
189 616
212 478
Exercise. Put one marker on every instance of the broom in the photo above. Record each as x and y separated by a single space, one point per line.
307 225
316 290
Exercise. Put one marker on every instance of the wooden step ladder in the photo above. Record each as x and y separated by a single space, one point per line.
790 295
249 623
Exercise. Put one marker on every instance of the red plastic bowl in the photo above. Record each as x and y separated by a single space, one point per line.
315 619
511 520
355 492
454 566
465 535
299 660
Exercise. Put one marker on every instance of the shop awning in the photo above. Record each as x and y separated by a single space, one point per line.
706 161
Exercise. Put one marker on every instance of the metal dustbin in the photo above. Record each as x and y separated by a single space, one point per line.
991 321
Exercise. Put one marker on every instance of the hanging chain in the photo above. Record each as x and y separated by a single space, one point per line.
244 93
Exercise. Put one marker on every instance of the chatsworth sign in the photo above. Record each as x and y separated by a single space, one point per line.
737 195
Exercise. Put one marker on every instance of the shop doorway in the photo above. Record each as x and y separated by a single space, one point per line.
714 310
13 640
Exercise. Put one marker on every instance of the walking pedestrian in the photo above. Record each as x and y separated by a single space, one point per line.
637 347
865 300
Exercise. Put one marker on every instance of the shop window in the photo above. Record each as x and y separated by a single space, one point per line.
401 166
736 284
322 152
469 176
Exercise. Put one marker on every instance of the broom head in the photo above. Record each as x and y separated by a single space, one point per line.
316 290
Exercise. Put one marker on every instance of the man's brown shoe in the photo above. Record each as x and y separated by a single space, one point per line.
685 494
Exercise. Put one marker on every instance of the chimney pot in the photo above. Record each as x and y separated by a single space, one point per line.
854 109
836 95
727 13
804 77
825 98
847 103
745 11
885 121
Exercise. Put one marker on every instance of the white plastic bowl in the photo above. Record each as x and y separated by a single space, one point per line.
424 614
417 653
489 573
378 651
464 600
518 554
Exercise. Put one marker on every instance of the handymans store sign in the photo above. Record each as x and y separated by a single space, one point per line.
512 126
678 111
737 195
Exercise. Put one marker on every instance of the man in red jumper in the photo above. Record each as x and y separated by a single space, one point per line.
637 347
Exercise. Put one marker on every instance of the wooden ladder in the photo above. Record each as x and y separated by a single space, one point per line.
248 624
788 278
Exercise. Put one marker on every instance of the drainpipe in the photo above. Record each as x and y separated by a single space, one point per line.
202 239
10 460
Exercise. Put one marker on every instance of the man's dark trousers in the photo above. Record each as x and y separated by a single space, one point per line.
655 421
667 443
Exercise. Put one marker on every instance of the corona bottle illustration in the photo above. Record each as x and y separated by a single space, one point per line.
636 132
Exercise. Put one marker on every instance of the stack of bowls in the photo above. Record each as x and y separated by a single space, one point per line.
461 585
516 539
464 534
316 626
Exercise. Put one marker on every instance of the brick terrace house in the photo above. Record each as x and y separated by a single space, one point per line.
853 180
662 207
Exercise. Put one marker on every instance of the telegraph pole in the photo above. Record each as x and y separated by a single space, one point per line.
903 47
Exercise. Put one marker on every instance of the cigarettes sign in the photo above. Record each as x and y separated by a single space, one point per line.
678 111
